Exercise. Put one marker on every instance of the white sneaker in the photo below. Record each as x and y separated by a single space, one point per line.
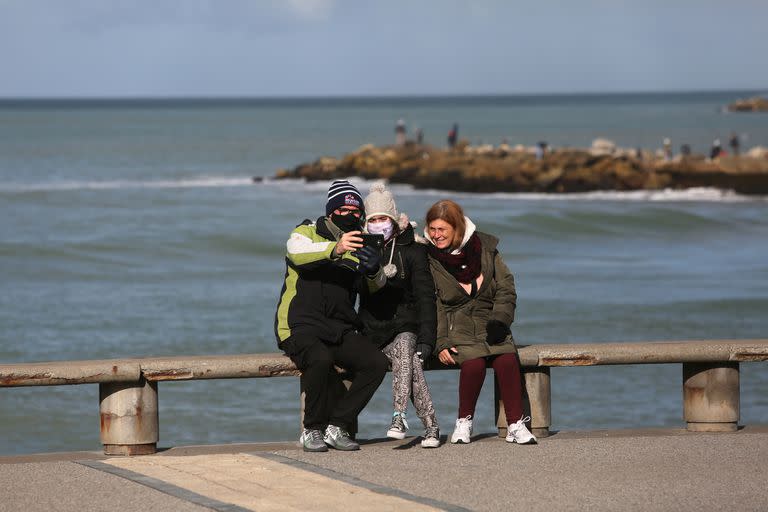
463 431
518 433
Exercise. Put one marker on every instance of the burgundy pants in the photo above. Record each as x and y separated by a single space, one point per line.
507 370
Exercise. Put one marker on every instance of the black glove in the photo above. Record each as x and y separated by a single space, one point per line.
369 260
495 332
424 351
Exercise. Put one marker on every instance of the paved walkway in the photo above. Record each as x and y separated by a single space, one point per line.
595 471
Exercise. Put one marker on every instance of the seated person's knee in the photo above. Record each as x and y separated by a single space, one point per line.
382 363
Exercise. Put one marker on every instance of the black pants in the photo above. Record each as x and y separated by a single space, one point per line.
326 400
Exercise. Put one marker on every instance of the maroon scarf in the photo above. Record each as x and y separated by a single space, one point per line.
465 266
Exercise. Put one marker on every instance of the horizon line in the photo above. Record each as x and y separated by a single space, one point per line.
403 96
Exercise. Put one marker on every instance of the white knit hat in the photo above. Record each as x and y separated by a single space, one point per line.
380 202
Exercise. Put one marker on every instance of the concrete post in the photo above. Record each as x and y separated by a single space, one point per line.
537 386
129 417
711 396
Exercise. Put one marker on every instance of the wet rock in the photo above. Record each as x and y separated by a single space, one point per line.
755 104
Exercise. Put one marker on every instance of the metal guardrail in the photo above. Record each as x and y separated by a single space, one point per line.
128 387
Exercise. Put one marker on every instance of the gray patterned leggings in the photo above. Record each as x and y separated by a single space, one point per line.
408 378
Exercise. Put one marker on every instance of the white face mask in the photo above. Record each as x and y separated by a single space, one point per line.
381 228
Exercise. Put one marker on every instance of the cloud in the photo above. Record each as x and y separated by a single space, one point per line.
311 9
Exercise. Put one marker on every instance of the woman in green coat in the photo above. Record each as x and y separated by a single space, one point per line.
476 302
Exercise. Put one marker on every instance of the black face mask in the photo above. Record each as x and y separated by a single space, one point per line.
346 223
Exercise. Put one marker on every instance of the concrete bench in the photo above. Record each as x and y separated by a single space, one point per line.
128 387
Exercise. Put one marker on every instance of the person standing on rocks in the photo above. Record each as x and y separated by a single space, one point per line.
400 132
419 136
733 142
716 151
401 316
667 150
453 135
476 302
316 324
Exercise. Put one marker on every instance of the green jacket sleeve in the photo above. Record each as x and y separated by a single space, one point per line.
305 249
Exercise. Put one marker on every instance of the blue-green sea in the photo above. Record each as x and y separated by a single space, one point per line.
133 228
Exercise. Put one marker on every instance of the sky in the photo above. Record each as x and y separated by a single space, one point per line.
288 48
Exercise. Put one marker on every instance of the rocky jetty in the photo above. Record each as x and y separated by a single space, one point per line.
756 104
502 168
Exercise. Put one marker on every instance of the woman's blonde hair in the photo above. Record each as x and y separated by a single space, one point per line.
450 212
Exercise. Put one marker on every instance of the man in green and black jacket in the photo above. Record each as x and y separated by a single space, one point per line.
316 324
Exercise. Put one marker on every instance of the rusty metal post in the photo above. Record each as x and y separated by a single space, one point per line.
711 396
537 386
129 417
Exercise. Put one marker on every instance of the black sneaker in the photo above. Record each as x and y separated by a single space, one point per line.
312 440
338 438
399 426
431 437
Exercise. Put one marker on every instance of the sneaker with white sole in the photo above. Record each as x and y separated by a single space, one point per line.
463 431
431 437
312 440
519 433
337 437
399 426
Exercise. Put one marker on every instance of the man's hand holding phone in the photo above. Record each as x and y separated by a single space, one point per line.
351 241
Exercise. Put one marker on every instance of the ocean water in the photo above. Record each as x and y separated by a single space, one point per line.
134 229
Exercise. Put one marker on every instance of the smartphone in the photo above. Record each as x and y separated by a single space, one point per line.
375 241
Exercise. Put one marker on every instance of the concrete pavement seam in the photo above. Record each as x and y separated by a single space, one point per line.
389 491
164 487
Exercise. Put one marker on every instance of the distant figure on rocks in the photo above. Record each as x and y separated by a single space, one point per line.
476 303
716 151
316 323
400 132
685 150
667 150
453 135
541 150
733 142
419 136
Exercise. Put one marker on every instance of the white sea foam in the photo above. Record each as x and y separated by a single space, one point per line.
697 194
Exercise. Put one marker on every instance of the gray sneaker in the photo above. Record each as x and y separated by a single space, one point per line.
312 440
431 437
338 438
